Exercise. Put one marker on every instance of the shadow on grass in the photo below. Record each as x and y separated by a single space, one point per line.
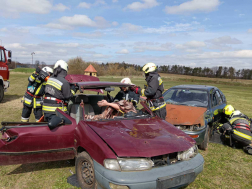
24 168
8 97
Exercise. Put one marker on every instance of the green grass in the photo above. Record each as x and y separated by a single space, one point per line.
23 70
224 167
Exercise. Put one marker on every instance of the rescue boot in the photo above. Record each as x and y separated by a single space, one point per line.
248 149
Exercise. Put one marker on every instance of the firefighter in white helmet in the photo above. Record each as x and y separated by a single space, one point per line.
33 97
153 90
127 93
57 92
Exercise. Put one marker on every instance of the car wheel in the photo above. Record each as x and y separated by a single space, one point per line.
85 171
1 92
204 144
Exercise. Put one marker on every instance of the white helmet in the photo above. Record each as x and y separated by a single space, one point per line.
127 81
149 67
62 64
47 69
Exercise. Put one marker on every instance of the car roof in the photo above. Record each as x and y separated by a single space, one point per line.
101 84
201 87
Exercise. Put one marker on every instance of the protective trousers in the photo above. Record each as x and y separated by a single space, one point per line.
27 112
161 113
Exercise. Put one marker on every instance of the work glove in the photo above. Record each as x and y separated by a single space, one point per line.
43 75
74 87
137 90
38 69
145 86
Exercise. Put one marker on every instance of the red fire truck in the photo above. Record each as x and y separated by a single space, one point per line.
4 71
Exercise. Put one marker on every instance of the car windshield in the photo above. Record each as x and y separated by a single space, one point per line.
188 97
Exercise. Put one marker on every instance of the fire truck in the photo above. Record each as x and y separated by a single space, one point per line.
4 71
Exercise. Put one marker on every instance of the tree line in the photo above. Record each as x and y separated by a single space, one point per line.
218 71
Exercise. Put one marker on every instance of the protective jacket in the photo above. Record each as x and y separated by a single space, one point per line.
57 92
238 127
33 85
128 95
153 91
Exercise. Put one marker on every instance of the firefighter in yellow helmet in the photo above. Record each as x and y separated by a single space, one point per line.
236 131
153 90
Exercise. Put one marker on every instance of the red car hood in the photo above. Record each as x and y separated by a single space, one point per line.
142 137
185 115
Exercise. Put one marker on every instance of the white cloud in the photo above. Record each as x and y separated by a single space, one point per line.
96 34
193 6
61 7
12 8
250 30
224 40
114 1
146 4
3 30
191 46
15 46
69 22
85 5
89 5
114 23
241 15
151 46
123 51
131 27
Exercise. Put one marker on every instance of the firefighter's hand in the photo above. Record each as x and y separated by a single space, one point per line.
38 69
75 87
145 86
43 75
137 90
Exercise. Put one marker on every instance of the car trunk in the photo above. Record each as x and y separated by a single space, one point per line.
141 137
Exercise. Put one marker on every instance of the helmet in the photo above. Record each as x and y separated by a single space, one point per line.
47 69
228 110
126 81
62 64
149 67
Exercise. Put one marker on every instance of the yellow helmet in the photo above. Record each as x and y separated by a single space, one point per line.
149 67
228 110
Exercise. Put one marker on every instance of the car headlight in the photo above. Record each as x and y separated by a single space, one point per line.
128 164
188 154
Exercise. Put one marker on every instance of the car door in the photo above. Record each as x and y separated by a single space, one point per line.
37 143
217 104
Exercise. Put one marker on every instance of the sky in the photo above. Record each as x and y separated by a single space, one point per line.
196 33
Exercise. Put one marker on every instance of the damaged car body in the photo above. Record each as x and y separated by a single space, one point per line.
140 151
191 109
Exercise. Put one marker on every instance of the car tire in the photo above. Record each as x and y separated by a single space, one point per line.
85 173
1 92
204 144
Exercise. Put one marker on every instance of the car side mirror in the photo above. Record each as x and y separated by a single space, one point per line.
9 54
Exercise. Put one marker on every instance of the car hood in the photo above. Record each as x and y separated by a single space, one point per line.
142 137
185 115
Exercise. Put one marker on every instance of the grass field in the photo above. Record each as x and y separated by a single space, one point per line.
224 167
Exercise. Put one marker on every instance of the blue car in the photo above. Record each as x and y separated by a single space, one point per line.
191 109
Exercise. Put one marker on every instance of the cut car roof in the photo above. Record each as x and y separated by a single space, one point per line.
101 84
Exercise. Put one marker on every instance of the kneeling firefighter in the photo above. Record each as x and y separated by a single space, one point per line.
237 129
57 92
153 90
34 94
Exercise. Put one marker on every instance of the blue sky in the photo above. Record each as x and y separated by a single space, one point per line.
192 33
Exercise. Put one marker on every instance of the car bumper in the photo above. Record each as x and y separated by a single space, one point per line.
6 85
148 179
201 135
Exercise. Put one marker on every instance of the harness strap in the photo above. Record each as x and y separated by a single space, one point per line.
29 94
56 99
241 127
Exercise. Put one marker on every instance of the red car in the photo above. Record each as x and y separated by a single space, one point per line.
140 151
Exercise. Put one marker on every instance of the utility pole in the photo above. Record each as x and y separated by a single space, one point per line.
32 56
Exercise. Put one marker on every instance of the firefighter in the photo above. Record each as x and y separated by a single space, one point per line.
34 94
237 129
153 90
127 93
57 92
